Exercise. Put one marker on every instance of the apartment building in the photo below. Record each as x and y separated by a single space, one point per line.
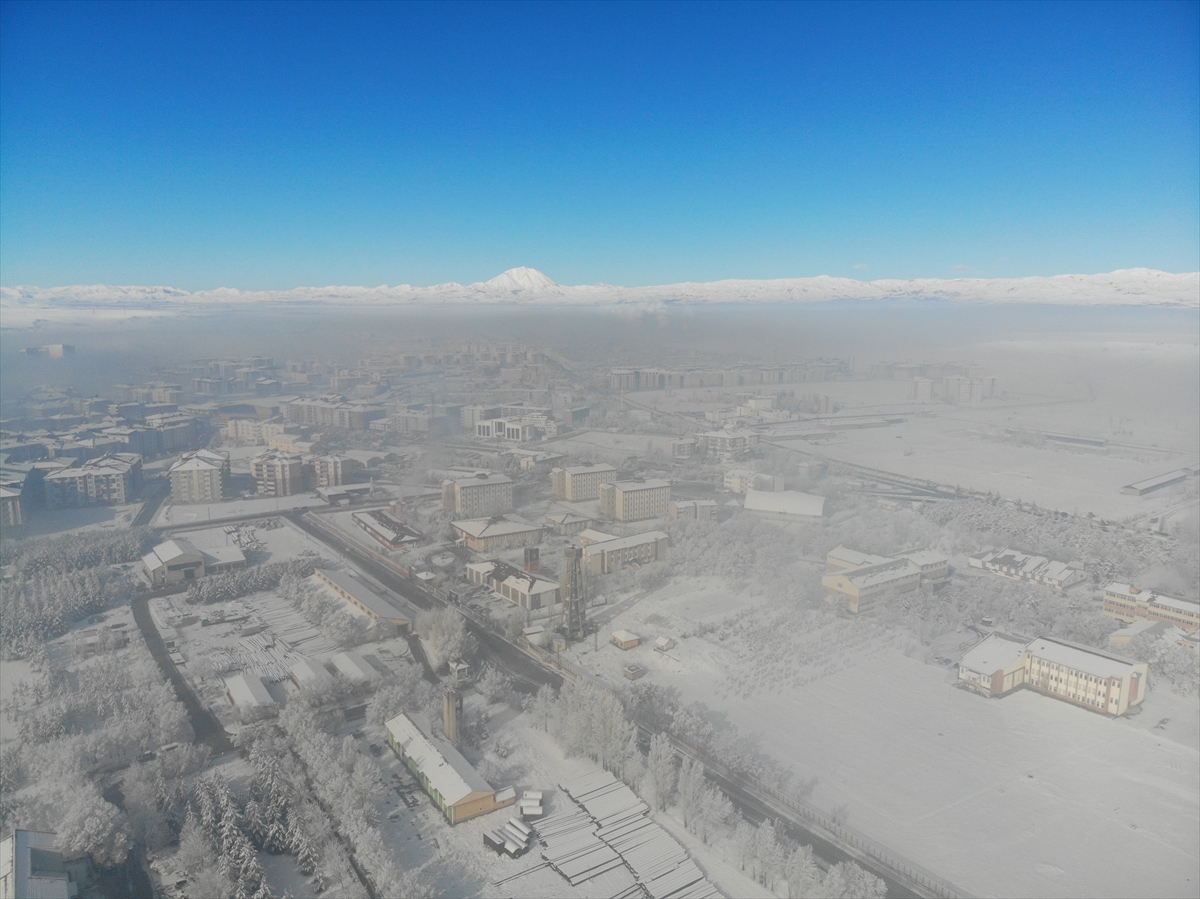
728 444
110 479
480 496
1129 604
177 431
249 430
635 500
578 483
1081 675
277 473
332 412
740 480
700 509
200 477
333 470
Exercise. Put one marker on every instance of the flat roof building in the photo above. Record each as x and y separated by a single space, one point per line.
247 691
1141 488
497 533
635 500
578 483
455 787
354 667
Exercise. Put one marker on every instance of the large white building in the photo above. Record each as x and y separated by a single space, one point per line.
31 867
479 496
200 477
784 505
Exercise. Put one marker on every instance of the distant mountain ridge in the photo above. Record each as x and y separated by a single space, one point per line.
528 286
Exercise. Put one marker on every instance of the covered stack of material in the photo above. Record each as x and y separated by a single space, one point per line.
572 848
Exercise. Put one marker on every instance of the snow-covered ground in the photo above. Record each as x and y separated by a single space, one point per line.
1022 796
41 522
170 515
275 544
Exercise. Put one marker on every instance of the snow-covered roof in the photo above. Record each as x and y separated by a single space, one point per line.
785 502
566 518
591 535
172 551
311 674
370 600
1081 658
498 526
447 771
624 636
854 557
648 484
200 460
586 469
879 573
924 557
625 542
354 666
248 690
482 478
223 555
994 654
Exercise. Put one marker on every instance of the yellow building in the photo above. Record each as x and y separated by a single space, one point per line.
612 555
859 588
578 483
479 496
1129 604
635 500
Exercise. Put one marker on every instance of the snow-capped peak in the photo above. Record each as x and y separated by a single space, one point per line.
520 279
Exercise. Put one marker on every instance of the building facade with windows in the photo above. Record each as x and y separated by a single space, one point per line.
483 495
1129 604
110 479
579 483
635 500
200 477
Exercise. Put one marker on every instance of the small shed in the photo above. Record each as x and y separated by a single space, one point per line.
309 674
633 672
664 644
624 639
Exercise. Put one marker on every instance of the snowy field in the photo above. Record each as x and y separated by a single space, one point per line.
41 522
1022 796
170 515
949 451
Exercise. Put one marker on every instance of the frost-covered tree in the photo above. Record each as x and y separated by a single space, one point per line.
768 854
661 771
690 790
743 842
543 707
91 825
493 684
715 811
802 874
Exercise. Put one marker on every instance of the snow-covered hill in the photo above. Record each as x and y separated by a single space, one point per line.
1127 287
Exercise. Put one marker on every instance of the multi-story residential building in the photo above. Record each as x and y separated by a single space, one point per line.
177 431
249 430
332 412
334 470
11 515
1026 567
700 509
728 444
740 480
200 477
109 479
1082 675
483 495
635 500
577 483
496 534
278 474
1129 604
612 555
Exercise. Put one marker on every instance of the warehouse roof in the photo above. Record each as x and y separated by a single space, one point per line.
625 542
447 771
372 601
354 666
248 690
496 526
785 502
994 654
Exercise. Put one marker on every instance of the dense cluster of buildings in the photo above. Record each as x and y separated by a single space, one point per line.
1028 567
1130 604
623 380
1082 675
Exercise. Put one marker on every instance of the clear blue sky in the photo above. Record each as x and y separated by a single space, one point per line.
270 146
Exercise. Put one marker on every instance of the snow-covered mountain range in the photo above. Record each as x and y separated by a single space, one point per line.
1127 287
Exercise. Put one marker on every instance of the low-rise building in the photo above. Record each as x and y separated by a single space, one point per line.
538 596
635 500
247 691
484 494
1129 604
741 480
1082 675
1027 567
728 444
784 505
363 598
498 533
11 513
842 557
578 483
615 554
354 667
455 787
172 562
567 523
624 639
860 588
388 529
700 509
309 675
200 477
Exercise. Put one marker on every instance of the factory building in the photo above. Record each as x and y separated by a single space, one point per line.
530 591
479 496
200 477
1129 604
784 505
178 560
579 483
635 500
1082 675
363 598
388 529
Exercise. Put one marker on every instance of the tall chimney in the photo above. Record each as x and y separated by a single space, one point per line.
452 707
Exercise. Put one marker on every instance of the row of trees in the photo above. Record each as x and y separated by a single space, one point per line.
258 579
444 633
76 552
322 611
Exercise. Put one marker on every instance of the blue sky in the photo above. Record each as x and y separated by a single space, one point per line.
277 145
